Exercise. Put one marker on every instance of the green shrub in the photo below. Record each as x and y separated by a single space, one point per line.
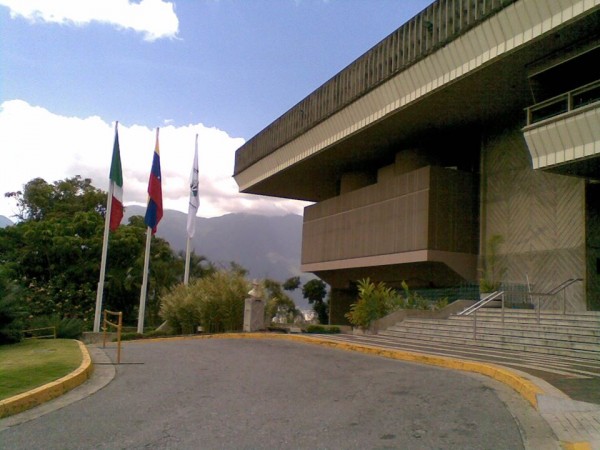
157 334
132 336
179 307
13 311
129 337
66 328
374 302
215 302
412 300
222 301
323 329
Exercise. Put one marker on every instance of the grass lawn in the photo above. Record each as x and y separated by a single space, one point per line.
35 362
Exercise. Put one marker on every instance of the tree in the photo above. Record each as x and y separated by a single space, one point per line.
125 266
278 303
238 269
53 253
200 266
12 311
41 200
291 284
315 291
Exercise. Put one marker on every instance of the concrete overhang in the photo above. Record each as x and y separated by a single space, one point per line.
464 264
567 144
478 80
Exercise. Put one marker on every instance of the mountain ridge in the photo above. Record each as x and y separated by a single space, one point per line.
267 246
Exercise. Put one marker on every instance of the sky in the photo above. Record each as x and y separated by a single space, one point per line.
222 69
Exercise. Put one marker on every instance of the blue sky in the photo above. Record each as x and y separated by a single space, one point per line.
224 69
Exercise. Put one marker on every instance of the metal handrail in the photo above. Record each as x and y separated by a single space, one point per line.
565 99
34 336
484 301
552 292
118 326
480 304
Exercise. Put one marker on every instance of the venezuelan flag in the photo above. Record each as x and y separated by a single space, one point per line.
154 212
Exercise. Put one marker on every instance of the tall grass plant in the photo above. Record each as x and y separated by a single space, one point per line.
214 302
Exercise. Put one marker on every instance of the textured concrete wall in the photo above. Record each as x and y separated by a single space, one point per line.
429 208
540 216
593 247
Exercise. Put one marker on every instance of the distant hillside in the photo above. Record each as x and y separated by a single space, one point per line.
5 222
269 247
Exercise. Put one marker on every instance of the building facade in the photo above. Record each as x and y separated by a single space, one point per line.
476 122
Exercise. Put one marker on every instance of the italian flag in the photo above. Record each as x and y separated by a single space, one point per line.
116 185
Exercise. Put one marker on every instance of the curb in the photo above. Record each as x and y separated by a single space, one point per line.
49 391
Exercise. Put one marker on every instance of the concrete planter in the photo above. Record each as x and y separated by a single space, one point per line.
361 332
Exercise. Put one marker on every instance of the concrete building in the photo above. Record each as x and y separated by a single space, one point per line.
477 121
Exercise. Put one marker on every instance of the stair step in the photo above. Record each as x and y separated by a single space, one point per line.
507 344
409 342
467 323
571 334
585 318
498 337
569 323
467 330
532 315
591 315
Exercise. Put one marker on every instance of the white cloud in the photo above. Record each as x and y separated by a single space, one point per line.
154 18
37 143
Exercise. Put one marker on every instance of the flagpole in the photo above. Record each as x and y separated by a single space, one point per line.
188 248
100 290
142 309
192 211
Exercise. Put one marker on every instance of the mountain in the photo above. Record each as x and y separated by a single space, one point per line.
5 222
267 246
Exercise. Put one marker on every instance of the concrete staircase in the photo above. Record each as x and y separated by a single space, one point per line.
575 335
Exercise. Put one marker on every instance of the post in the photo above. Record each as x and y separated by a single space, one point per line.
119 327
502 311
475 325
142 310
104 329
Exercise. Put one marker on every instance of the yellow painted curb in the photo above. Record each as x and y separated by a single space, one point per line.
576 445
39 395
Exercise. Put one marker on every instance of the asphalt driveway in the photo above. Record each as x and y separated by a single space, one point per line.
273 394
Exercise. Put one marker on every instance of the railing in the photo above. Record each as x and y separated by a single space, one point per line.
118 326
480 304
551 293
563 103
39 336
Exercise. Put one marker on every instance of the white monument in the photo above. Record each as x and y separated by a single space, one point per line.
254 310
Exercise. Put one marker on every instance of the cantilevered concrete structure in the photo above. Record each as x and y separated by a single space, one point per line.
475 119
